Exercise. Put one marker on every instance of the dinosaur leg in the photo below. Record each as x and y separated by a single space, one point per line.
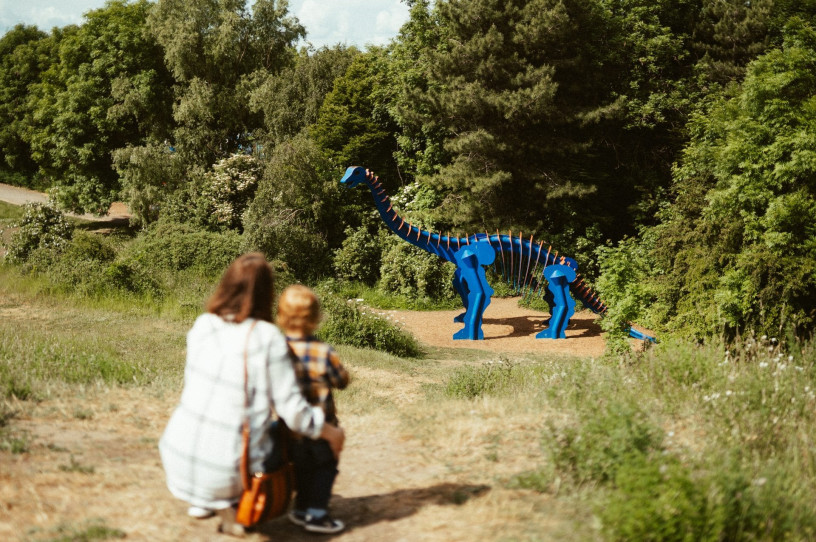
470 260
559 277
462 289
473 320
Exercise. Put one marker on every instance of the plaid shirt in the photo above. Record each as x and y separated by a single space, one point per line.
318 369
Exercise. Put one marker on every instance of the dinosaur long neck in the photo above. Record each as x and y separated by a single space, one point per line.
443 246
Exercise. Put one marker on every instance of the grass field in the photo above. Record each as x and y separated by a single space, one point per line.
684 442
681 442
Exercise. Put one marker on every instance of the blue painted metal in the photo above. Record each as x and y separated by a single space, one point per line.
559 278
513 251
470 262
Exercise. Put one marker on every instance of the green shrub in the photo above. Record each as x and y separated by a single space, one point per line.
301 251
654 498
89 246
607 437
87 265
149 174
472 382
299 213
173 246
346 324
217 199
359 258
42 226
410 271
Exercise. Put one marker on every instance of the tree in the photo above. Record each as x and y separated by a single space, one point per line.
291 100
736 250
550 116
354 125
212 48
297 215
730 34
23 57
105 91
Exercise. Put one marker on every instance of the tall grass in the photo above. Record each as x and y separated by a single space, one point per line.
684 442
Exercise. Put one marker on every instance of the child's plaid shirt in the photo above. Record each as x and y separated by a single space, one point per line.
318 369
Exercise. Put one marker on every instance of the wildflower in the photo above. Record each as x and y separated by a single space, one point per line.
763 364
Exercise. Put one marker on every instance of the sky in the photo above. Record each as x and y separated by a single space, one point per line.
327 22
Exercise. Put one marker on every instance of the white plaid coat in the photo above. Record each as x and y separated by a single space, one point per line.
201 446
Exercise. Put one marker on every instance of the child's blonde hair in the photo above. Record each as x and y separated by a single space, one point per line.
298 309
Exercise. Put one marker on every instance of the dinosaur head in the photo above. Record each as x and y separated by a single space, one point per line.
354 176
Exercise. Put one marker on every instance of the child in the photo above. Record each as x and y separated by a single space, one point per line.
318 369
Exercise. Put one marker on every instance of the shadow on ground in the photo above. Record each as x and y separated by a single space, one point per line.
358 512
524 326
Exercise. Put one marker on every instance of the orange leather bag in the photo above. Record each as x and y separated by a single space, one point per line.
266 494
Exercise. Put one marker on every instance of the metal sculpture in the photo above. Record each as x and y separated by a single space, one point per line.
526 265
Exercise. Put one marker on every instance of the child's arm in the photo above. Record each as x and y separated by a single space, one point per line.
336 374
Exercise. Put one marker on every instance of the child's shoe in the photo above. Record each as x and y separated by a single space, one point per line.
323 524
297 517
228 524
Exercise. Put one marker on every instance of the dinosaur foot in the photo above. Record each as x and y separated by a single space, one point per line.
460 318
550 333
468 335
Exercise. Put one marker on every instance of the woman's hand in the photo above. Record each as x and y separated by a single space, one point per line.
335 436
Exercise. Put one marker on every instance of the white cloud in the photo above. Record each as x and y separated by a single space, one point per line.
352 22
327 22
45 14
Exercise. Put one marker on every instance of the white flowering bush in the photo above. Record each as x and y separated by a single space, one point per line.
229 188
42 226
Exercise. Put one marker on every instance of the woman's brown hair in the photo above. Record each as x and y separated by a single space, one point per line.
245 291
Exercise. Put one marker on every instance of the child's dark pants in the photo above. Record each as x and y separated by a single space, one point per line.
315 471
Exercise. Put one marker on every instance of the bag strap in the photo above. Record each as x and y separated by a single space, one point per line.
245 479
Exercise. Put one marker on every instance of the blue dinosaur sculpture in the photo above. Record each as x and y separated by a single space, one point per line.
522 262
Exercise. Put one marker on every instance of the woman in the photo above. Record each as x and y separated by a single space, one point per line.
201 446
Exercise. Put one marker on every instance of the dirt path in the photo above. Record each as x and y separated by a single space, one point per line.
16 195
507 328
93 458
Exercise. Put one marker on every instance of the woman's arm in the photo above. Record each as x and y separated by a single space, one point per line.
335 436
289 403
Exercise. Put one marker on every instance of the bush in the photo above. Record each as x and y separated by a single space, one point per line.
410 271
89 246
359 258
473 382
43 227
217 199
299 213
608 437
303 252
173 246
346 324
148 175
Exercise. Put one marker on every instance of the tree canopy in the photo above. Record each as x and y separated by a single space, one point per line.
675 134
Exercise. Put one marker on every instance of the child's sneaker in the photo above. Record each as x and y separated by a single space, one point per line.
324 524
297 517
